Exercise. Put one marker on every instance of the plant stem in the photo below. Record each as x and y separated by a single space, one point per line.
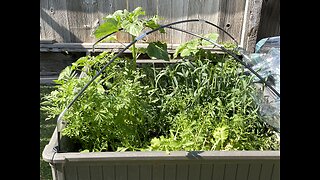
134 55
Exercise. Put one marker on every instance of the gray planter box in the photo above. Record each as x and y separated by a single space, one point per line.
179 165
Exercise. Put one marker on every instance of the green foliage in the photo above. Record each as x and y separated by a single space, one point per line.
109 26
158 50
191 48
193 105
129 21
203 103
210 106
132 24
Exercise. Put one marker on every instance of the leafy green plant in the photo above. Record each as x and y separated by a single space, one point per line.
132 24
211 107
206 102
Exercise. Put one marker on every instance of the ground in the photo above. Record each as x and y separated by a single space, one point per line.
46 130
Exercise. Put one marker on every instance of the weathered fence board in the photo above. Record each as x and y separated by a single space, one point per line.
73 21
251 24
270 19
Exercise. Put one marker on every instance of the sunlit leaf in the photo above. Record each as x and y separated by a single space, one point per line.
108 27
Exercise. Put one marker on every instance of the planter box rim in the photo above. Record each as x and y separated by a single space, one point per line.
50 155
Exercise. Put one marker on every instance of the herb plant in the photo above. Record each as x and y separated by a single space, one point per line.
205 102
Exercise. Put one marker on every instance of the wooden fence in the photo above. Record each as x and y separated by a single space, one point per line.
73 21
270 19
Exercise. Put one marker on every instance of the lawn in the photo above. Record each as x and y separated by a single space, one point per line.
46 130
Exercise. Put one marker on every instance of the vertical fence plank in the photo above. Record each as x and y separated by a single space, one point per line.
179 11
102 9
78 20
251 24
60 16
209 12
72 21
164 11
54 20
151 10
231 18
45 20
269 24
194 9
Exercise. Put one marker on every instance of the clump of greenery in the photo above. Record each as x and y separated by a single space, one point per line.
203 103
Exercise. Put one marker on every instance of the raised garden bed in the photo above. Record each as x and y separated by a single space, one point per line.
178 165
195 119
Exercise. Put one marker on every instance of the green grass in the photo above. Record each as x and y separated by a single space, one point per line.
46 130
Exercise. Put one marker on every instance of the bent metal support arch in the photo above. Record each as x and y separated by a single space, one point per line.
169 25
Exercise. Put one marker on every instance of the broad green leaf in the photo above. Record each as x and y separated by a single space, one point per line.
185 53
180 48
158 50
187 48
132 28
193 44
108 27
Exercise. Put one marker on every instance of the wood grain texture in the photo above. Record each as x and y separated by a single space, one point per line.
270 19
194 10
80 17
45 21
209 12
73 21
231 18
164 11
251 26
